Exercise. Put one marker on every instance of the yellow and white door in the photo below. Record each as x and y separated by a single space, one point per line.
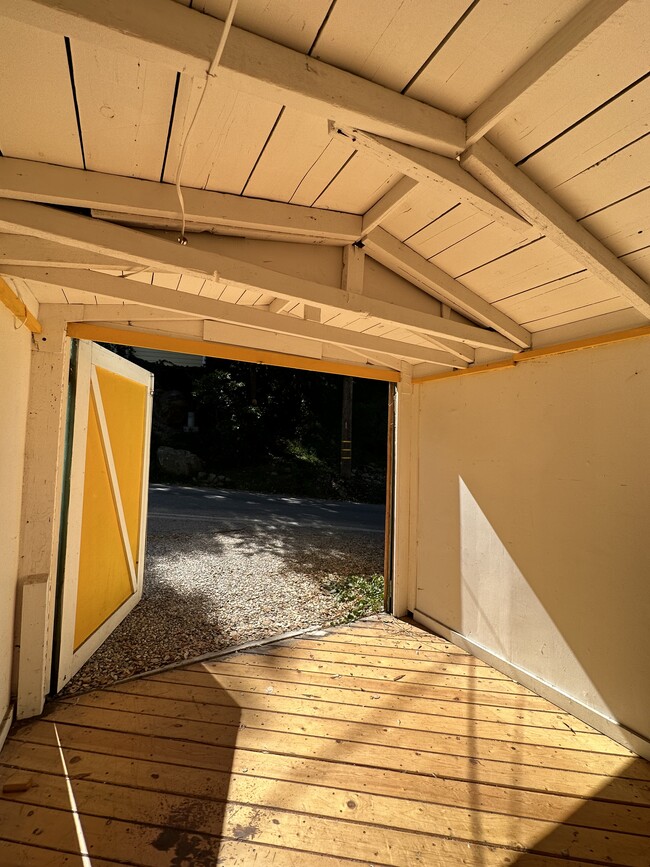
105 530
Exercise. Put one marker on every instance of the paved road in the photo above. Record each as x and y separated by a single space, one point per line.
173 505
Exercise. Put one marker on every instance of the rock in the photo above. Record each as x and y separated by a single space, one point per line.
178 462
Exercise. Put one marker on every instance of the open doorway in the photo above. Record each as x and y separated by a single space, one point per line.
264 518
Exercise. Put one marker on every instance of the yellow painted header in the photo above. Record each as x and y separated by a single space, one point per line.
148 340
542 352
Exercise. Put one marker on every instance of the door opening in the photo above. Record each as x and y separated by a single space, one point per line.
245 549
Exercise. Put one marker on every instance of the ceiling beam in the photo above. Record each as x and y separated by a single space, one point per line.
435 171
56 185
183 39
27 250
388 204
387 250
493 169
135 292
127 336
168 256
504 99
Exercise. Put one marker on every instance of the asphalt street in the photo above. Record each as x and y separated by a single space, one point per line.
174 505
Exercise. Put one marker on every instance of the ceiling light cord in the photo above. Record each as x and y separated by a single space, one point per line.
211 72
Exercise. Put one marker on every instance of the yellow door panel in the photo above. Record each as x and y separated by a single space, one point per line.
125 403
104 582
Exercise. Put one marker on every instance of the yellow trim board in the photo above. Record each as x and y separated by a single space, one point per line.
148 340
542 352
12 302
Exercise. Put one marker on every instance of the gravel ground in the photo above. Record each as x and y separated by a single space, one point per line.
205 591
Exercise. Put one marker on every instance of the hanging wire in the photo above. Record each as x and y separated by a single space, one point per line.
211 72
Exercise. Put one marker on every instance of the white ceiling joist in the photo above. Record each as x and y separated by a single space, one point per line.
492 168
55 185
135 292
504 99
438 172
151 251
388 203
171 34
25 250
387 250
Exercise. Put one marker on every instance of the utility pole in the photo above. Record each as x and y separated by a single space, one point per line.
346 429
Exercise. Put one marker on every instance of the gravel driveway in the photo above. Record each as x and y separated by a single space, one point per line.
211 585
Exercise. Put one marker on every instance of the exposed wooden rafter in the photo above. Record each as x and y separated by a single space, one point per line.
398 257
171 34
388 203
492 168
435 171
182 302
505 98
56 185
161 254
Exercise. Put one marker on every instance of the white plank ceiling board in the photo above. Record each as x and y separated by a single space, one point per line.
526 268
191 284
614 178
624 226
386 41
615 57
334 157
124 111
37 113
423 206
610 128
169 281
44 293
606 323
296 145
589 311
489 243
359 184
490 44
639 261
455 225
294 23
558 296
227 138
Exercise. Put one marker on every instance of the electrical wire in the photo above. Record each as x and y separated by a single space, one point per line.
211 72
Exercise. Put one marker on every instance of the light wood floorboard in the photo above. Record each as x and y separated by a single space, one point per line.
374 743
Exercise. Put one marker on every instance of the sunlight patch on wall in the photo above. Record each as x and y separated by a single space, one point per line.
500 611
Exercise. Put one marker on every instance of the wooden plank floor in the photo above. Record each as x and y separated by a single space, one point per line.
375 743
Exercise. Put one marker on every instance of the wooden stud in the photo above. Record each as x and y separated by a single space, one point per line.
353 269
41 504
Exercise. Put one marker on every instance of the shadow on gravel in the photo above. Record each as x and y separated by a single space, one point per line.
205 591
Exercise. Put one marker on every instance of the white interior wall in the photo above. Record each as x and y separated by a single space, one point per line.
533 511
15 352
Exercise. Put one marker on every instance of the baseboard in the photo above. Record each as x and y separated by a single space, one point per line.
617 732
5 725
